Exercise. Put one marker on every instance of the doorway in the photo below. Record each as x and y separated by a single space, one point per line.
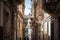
59 28
52 31
1 33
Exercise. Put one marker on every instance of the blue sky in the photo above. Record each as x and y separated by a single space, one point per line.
27 7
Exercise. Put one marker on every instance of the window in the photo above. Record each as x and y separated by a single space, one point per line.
7 17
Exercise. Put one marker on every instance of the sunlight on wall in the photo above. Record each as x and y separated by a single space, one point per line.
47 24
45 28
49 28
19 8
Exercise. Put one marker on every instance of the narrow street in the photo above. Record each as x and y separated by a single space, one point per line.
29 19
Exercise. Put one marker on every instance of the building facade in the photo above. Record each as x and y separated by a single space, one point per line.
55 16
20 20
9 18
38 16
